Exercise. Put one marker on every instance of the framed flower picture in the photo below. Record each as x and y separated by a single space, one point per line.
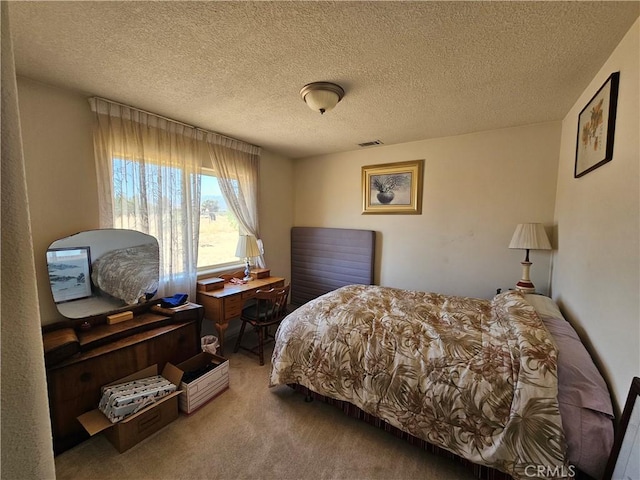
596 128
392 188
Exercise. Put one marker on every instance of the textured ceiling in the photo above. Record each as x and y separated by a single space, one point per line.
411 70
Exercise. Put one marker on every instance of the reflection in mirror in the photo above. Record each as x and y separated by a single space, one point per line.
102 271
69 273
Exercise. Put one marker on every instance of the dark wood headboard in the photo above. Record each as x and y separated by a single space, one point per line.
323 259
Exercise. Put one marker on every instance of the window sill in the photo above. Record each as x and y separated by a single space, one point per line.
214 272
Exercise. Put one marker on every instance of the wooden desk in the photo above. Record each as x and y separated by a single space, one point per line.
224 304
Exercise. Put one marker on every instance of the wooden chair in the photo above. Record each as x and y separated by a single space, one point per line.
269 309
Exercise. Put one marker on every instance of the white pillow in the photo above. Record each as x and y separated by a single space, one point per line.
544 305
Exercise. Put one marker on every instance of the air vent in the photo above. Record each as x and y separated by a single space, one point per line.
370 144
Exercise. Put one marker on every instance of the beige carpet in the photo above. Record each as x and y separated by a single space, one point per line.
252 431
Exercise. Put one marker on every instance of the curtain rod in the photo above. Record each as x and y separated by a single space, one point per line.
174 121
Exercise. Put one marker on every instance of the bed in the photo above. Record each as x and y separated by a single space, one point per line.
130 274
501 383
318 260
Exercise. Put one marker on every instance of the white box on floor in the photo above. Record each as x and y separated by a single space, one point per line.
206 386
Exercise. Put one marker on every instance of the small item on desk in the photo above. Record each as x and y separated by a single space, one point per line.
260 273
171 311
174 301
119 317
238 281
207 284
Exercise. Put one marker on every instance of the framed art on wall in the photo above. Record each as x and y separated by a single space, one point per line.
392 188
596 128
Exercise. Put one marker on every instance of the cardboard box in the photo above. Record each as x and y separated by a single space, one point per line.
208 284
206 387
135 428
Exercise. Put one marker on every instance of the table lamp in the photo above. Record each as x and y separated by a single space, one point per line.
529 236
247 248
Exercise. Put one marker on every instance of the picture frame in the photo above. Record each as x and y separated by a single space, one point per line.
596 128
69 273
623 461
393 188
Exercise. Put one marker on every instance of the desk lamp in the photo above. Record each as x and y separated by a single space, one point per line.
247 248
529 236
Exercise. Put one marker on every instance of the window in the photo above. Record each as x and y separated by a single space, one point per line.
164 160
219 228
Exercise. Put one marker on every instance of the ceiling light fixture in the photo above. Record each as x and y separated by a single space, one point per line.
321 96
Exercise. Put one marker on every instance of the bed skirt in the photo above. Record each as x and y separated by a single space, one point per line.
479 471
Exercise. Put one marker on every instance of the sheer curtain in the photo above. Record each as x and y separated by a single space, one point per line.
236 166
148 170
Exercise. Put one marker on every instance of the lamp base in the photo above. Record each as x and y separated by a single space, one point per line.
247 272
525 285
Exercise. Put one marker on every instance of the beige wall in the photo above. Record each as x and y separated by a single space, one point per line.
276 211
61 181
477 188
596 278
61 175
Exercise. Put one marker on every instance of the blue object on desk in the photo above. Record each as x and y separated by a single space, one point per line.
174 301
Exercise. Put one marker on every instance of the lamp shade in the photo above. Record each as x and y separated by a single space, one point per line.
321 96
247 247
530 236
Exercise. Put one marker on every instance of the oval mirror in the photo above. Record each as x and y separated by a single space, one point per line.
102 271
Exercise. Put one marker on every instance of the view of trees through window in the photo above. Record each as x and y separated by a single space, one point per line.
218 226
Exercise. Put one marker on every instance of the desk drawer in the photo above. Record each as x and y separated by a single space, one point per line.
248 294
252 293
233 306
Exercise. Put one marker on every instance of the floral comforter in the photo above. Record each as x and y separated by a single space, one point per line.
475 377
128 273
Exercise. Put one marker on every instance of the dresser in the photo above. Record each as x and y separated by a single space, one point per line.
109 352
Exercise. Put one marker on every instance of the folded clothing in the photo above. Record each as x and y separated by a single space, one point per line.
174 301
192 375
124 399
